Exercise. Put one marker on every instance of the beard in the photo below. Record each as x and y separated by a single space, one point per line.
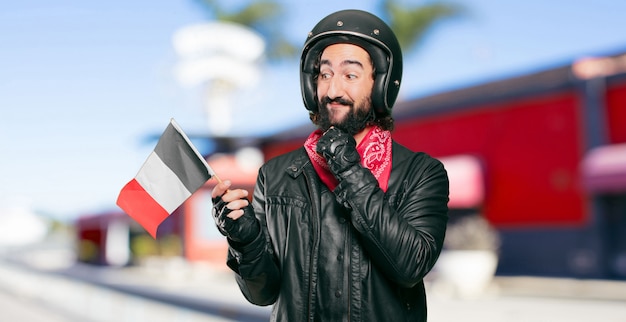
355 120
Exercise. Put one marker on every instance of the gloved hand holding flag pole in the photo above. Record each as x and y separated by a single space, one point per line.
170 175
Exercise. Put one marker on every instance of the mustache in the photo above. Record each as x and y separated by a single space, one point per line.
327 100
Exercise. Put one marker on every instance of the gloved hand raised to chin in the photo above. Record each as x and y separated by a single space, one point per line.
339 150
242 230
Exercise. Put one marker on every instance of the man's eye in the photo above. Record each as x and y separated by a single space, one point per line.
325 75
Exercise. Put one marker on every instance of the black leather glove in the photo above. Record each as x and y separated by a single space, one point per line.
339 150
243 230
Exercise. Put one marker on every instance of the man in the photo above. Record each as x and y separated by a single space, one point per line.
346 227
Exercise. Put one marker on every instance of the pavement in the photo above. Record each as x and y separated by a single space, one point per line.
200 287
211 290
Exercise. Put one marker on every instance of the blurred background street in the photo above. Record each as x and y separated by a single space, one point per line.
43 283
524 103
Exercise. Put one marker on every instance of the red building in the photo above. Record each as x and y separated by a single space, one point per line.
541 156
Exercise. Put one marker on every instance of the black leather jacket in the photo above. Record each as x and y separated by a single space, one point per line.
355 254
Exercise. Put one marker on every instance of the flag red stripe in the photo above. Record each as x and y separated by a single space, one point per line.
138 204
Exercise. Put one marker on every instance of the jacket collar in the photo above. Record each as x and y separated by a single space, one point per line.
298 164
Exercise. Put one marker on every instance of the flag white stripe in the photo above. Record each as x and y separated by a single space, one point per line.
162 184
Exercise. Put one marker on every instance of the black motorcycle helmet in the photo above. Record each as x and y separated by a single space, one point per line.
370 33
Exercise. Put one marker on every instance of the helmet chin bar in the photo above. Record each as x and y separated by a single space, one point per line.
366 31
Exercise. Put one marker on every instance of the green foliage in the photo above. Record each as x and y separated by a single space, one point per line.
142 246
261 16
411 23
87 251
257 13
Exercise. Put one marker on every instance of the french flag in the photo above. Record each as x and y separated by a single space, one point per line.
170 175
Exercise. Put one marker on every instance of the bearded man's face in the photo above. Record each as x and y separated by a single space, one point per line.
344 88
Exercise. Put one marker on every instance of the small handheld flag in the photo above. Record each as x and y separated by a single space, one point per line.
170 175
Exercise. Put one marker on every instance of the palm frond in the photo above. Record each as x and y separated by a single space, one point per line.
411 23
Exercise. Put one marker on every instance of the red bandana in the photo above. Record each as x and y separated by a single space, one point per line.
375 152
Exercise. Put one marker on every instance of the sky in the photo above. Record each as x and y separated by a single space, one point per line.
86 86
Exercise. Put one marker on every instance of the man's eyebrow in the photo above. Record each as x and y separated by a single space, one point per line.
343 63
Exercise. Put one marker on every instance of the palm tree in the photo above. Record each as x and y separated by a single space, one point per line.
262 16
410 24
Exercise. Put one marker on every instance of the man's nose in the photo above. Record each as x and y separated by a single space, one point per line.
335 88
